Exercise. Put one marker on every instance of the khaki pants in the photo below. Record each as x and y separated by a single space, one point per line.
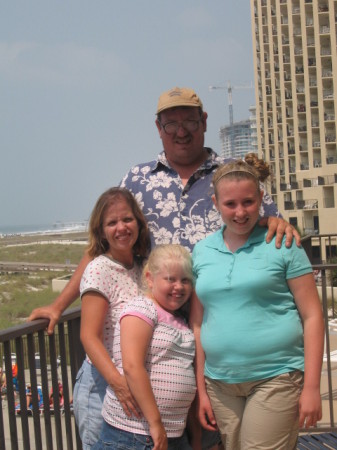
258 415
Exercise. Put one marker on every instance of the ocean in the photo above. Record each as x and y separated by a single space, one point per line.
59 227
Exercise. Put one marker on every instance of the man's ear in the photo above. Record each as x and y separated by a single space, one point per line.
159 127
204 120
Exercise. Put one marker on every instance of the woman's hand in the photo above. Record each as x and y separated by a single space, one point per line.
126 399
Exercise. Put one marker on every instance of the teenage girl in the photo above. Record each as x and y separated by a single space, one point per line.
118 242
258 325
154 349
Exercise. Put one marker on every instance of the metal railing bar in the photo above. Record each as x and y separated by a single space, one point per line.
35 400
45 390
22 392
64 371
10 397
54 377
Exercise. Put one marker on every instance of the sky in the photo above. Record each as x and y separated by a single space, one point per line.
79 85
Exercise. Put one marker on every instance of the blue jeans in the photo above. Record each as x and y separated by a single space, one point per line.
115 439
88 396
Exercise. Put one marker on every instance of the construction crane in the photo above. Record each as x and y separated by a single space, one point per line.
229 89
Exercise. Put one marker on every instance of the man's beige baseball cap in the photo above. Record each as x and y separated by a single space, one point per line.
178 97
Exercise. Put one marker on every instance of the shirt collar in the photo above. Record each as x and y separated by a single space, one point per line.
213 160
258 235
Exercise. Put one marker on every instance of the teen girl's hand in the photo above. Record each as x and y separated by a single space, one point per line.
205 413
310 407
126 399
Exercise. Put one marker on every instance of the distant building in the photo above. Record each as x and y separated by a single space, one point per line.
295 63
242 135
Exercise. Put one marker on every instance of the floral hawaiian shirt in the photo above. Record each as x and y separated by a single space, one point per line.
176 213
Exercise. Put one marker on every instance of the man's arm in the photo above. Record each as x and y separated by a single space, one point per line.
280 227
69 294
272 219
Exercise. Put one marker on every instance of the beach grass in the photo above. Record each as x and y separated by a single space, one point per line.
21 292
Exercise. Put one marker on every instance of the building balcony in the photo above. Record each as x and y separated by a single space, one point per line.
307 204
289 205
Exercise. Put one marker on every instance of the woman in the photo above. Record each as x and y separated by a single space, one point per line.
118 241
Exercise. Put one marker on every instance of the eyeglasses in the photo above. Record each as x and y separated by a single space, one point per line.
173 127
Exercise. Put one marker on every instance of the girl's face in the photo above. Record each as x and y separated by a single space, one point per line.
120 229
170 288
238 203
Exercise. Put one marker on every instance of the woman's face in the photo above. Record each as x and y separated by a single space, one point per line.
120 229
238 202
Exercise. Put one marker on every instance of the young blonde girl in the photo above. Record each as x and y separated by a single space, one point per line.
154 349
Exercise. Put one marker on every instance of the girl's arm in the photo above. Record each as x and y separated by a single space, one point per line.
308 304
135 339
93 313
206 415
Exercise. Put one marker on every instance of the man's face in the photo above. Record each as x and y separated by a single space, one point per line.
183 147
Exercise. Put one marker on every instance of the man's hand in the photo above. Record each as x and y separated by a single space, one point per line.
280 227
50 312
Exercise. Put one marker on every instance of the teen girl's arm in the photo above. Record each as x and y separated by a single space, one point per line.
69 294
307 301
94 310
205 411
135 339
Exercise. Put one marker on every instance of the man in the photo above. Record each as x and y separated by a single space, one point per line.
175 190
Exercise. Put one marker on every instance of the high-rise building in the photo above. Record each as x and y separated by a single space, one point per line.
295 63
239 138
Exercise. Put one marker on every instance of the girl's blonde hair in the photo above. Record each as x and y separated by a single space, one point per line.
163 256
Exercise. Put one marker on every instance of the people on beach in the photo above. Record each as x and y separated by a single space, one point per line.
118 242
60 395
3 382
258 325
174 191
29 399
154 349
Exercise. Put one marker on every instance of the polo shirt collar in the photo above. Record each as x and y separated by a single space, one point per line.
216 240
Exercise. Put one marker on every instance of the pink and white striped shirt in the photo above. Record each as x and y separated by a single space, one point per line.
169 363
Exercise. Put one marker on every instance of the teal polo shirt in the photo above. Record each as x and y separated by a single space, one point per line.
251 328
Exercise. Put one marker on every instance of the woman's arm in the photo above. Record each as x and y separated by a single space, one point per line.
69 294
94 310
308 304
206 415
135 339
